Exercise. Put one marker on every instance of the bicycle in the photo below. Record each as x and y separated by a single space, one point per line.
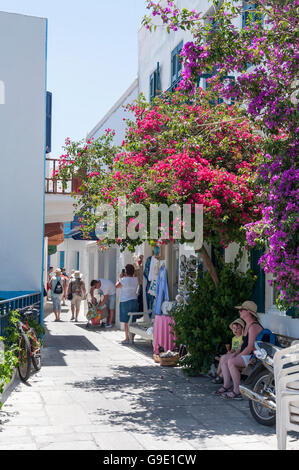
29 347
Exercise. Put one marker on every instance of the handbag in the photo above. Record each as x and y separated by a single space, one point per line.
70 295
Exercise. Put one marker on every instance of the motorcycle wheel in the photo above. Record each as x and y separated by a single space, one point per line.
260 413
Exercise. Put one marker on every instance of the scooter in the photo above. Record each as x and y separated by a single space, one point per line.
259 386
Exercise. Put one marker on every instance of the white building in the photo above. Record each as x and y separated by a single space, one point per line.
22 135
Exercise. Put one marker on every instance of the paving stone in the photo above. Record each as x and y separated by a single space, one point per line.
48 430
117 441
47 439
72 445
66 415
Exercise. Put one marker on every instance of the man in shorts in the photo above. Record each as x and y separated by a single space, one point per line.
109 291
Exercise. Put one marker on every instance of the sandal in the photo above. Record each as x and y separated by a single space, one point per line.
222 390
213 375
217 380
232 396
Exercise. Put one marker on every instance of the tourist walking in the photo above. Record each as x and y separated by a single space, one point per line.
109 292
65 280
129 286
50 274
56 284
76 293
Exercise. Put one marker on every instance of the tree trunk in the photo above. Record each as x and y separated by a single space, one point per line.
209 265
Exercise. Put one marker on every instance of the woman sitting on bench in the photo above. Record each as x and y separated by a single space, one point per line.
241 358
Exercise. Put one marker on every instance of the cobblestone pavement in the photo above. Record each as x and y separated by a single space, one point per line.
94 393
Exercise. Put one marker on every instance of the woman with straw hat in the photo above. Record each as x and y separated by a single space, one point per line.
77 292
240 359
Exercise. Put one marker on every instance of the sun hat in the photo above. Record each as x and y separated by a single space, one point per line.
250 306
239 321
58 271
77 274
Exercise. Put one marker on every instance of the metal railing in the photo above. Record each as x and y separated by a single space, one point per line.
16 303
54 185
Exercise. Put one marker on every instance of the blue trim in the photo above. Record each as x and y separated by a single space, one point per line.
17 300
12 294
41 318
61 259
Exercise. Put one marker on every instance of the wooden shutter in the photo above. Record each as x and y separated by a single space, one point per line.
258 295
48 122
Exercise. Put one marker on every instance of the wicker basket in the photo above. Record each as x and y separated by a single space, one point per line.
169 361
157 358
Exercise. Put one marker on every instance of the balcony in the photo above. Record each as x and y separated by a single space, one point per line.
54 185
59 205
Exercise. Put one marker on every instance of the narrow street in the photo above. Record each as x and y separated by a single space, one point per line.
94 393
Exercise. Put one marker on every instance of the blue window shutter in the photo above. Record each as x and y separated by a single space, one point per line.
61 260
78 260
158 79
176 63
258 295
173 66
48 122
152 85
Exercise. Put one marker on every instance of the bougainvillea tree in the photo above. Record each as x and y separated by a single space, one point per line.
263 56
176 151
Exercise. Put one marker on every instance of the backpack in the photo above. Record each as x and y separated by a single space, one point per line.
268 337
58 288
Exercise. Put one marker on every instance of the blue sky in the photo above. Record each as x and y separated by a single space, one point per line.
92 58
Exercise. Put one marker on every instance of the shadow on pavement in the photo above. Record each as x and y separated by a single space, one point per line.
151 400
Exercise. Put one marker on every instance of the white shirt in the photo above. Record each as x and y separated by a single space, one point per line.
128 291
107 287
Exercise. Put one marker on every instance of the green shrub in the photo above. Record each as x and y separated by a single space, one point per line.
203 325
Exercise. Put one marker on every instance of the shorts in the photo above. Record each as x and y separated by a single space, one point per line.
56 299
246 359
76 301
125 308
111 301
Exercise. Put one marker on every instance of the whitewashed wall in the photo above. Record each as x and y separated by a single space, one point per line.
114 119
22 150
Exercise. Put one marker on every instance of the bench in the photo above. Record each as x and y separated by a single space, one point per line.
141 325
285 341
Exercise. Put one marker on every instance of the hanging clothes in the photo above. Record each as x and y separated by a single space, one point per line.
149 297
153 275
161 290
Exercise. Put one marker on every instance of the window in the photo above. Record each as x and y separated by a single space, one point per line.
205 85
78 260
249 13
176 64
155 83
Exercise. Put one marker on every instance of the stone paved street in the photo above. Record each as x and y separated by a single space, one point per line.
94 393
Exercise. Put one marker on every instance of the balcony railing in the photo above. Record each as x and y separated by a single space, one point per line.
19 303
54 185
